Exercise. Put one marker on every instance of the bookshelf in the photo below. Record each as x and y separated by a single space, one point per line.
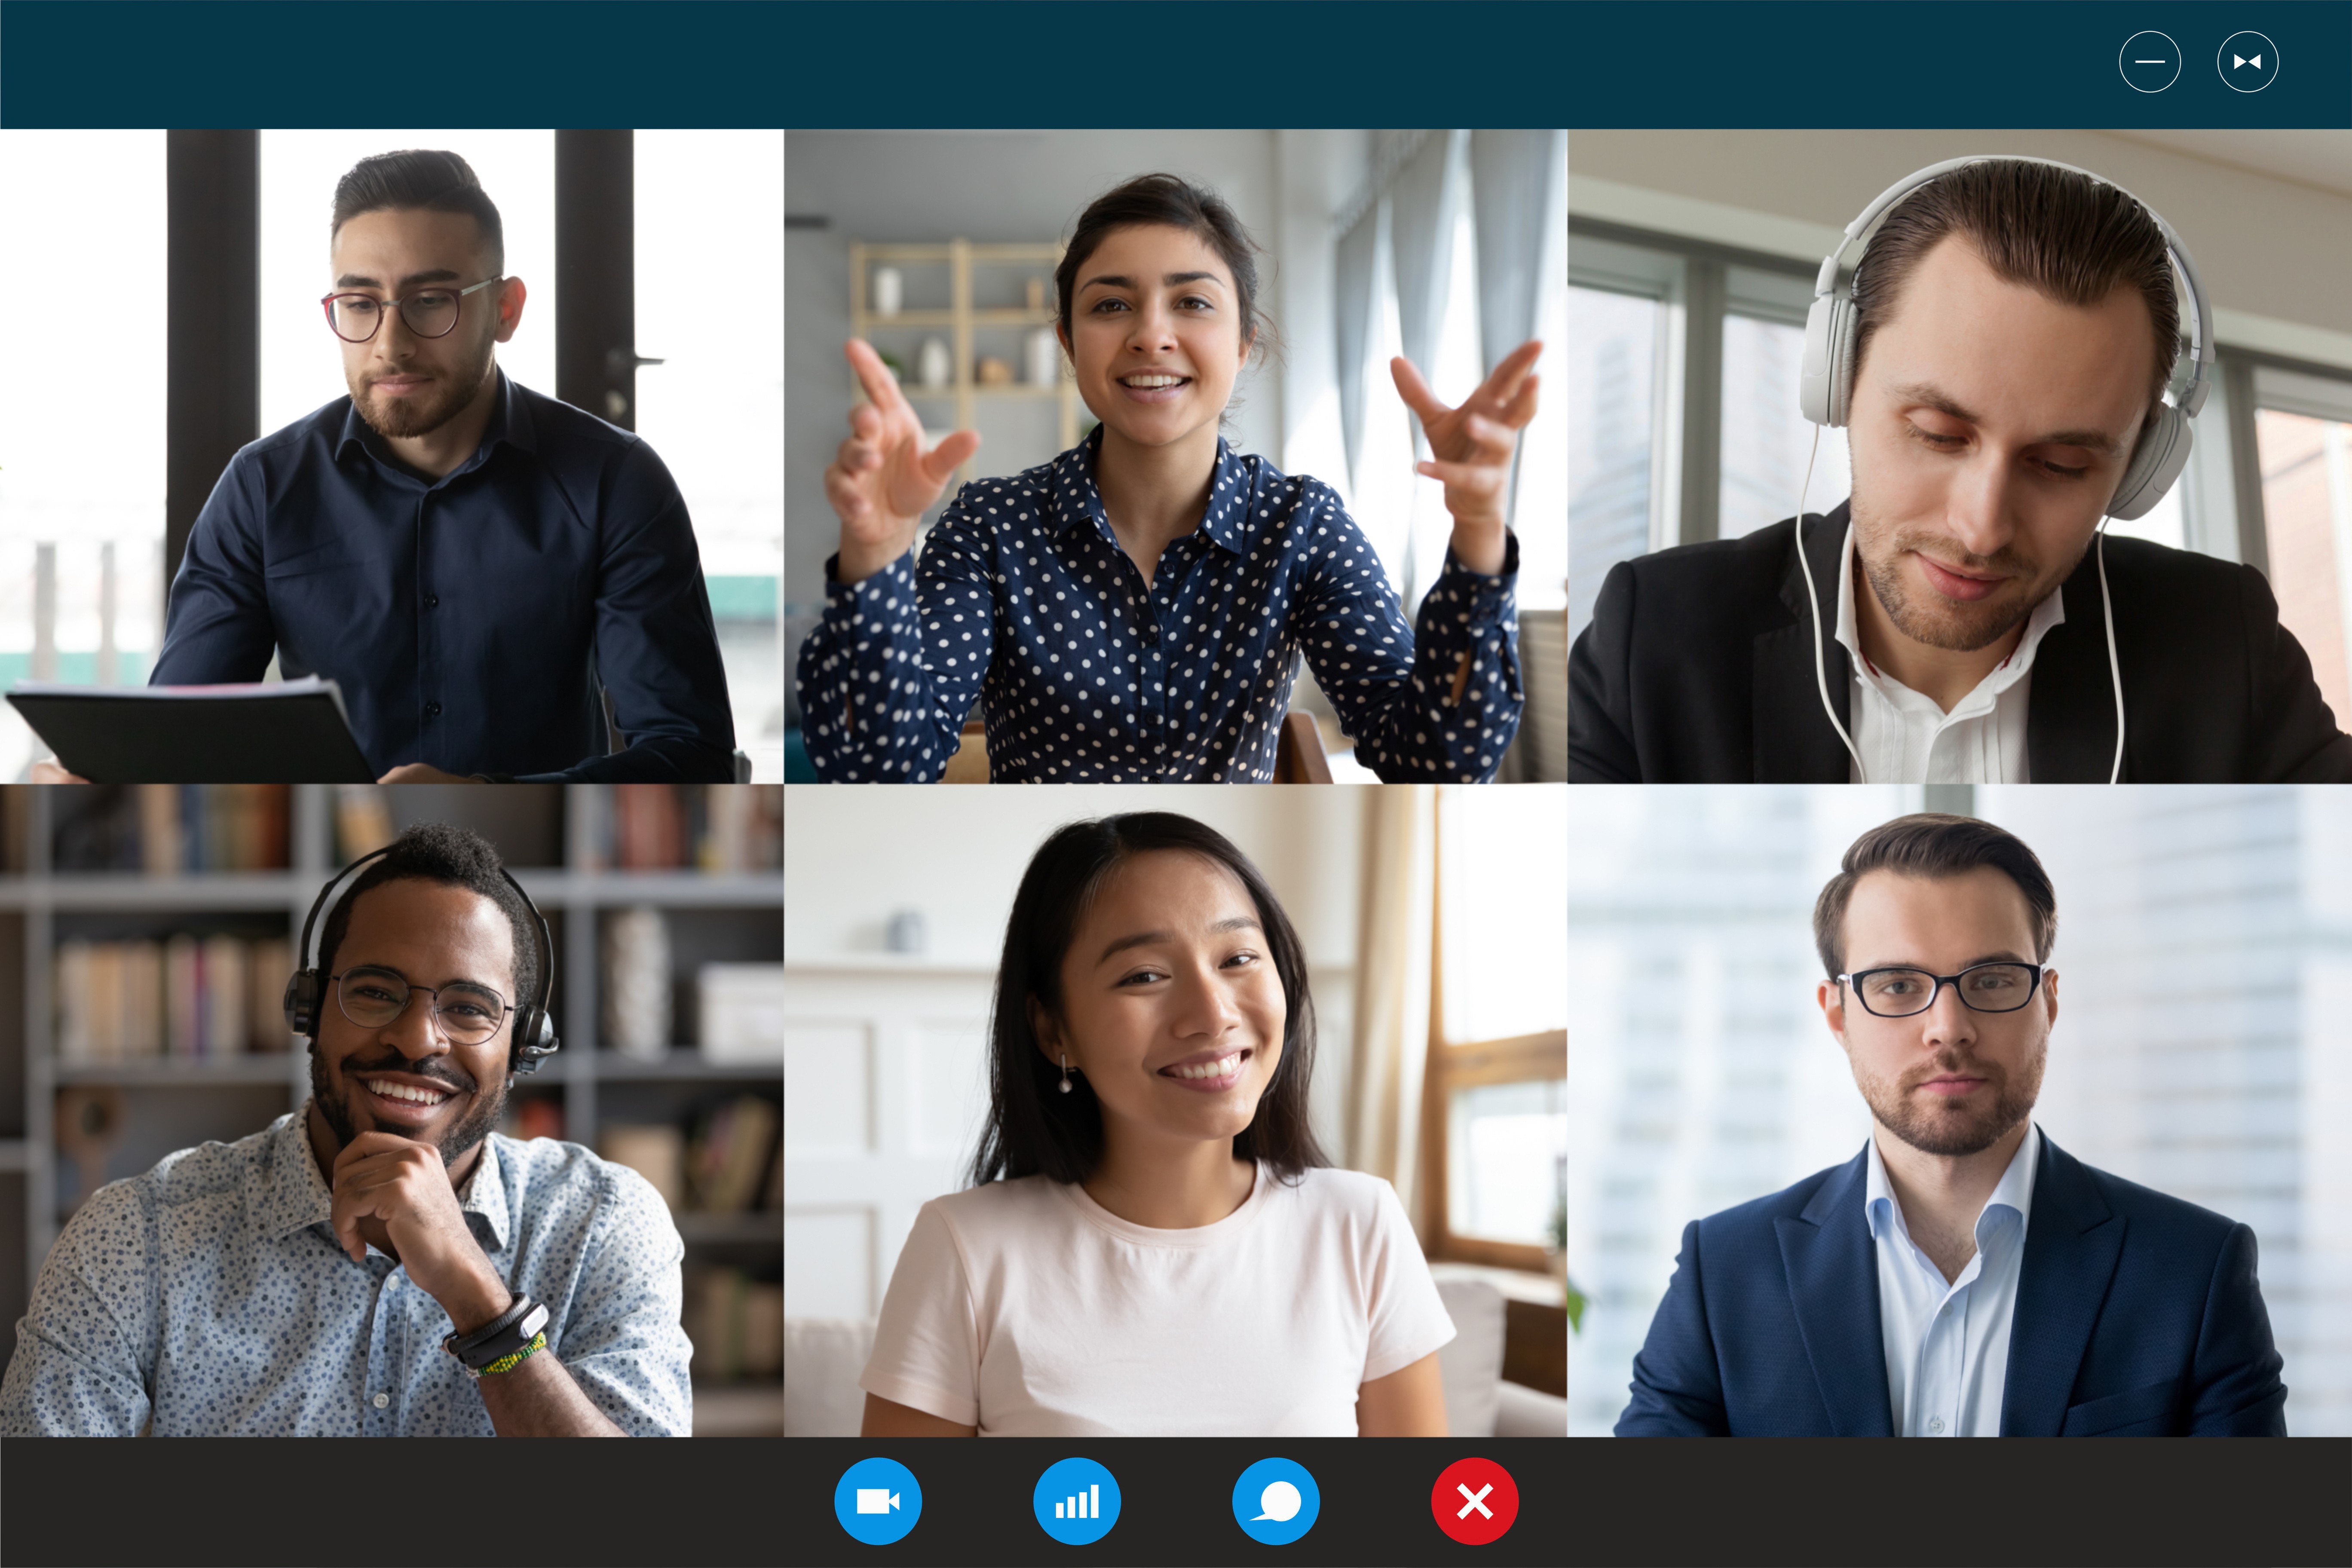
968 326
549 835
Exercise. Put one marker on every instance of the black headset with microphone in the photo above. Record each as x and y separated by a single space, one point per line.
534 1030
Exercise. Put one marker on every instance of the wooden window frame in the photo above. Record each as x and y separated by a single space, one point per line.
1520 1059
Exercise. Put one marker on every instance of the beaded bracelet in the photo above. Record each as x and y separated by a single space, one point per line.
509 1362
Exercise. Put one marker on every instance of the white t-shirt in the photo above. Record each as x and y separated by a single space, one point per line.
1025 1309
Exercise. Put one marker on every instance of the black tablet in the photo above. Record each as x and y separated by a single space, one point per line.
293 731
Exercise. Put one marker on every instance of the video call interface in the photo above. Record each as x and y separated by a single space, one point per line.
1697 744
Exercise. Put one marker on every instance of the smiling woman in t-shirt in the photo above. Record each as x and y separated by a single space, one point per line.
1154 1245
1135 609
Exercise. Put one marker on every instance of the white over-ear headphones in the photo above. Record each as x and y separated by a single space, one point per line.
1827 384
1825 392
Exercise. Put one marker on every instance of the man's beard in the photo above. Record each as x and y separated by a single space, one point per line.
452 395
1948 1128
468 1130
1955 626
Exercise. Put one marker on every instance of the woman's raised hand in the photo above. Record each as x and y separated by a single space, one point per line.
1471 448
882 481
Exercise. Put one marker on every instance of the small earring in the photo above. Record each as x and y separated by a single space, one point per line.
1065 1073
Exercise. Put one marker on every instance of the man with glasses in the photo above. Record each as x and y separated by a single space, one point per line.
475 565
1962 1276
336 1273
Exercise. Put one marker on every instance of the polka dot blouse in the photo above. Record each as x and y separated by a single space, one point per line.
1024 603
209 1296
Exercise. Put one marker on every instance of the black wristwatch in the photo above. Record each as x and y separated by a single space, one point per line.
500 1337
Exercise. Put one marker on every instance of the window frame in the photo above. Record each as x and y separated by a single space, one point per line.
1539 1058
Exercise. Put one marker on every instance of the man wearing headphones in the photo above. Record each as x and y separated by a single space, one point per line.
2006 361
380 1263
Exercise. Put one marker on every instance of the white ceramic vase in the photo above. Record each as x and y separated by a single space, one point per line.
889 290
1043 355
935 366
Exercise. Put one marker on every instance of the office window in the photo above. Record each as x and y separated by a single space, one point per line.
1614 342
1767 440
709 260
301 364
1497 1047
81 416
2203 942
2302 427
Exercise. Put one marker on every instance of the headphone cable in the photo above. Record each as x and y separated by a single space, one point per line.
1821 669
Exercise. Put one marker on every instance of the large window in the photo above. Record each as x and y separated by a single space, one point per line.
710 307
2205 946
81 415
2304 432
1498 1053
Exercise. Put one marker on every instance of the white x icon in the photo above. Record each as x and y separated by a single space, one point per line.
1477 1501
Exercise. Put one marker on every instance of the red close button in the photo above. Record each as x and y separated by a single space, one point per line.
1475 1501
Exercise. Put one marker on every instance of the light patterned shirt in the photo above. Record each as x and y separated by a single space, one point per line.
1026 601
210 1295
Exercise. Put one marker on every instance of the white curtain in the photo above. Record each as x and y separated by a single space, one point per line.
1514 181
1393 988
1357 258
1421 242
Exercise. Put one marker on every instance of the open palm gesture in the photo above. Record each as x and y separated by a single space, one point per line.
1471 446
882 481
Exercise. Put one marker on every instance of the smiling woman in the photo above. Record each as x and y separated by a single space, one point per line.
1136 609
1147 1169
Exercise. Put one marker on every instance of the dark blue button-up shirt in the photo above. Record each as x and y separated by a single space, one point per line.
467 620
1025 601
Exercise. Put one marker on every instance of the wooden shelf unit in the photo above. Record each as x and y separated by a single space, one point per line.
583 1074
961 321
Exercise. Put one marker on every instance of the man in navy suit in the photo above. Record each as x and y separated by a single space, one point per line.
1962 1276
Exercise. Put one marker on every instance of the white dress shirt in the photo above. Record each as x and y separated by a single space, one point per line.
1948 1344
1905 738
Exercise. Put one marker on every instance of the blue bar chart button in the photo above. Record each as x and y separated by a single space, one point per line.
1076 1502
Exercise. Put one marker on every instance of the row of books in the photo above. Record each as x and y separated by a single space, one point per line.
167 830
719 829
730 1161
187 996
737 1324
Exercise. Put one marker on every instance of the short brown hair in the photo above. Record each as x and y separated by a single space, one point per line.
2063 234
1933 844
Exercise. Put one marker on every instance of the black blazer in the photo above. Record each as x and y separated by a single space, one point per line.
1696 669
2137 1316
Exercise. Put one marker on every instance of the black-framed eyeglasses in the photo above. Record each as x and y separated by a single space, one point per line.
427 312
2002 986
464 1013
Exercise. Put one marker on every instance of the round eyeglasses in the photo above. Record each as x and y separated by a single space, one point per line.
1998 987
465 1013
427 312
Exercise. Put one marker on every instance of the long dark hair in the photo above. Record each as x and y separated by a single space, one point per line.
1033 1128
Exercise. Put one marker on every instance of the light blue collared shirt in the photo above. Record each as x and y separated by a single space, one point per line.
1947 1345
209 1296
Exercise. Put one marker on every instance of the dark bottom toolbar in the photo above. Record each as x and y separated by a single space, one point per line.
1563 1502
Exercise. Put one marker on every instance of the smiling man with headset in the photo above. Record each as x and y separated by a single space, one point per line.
2003 339
380 1263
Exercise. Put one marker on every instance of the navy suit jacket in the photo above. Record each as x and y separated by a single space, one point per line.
2137 1316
